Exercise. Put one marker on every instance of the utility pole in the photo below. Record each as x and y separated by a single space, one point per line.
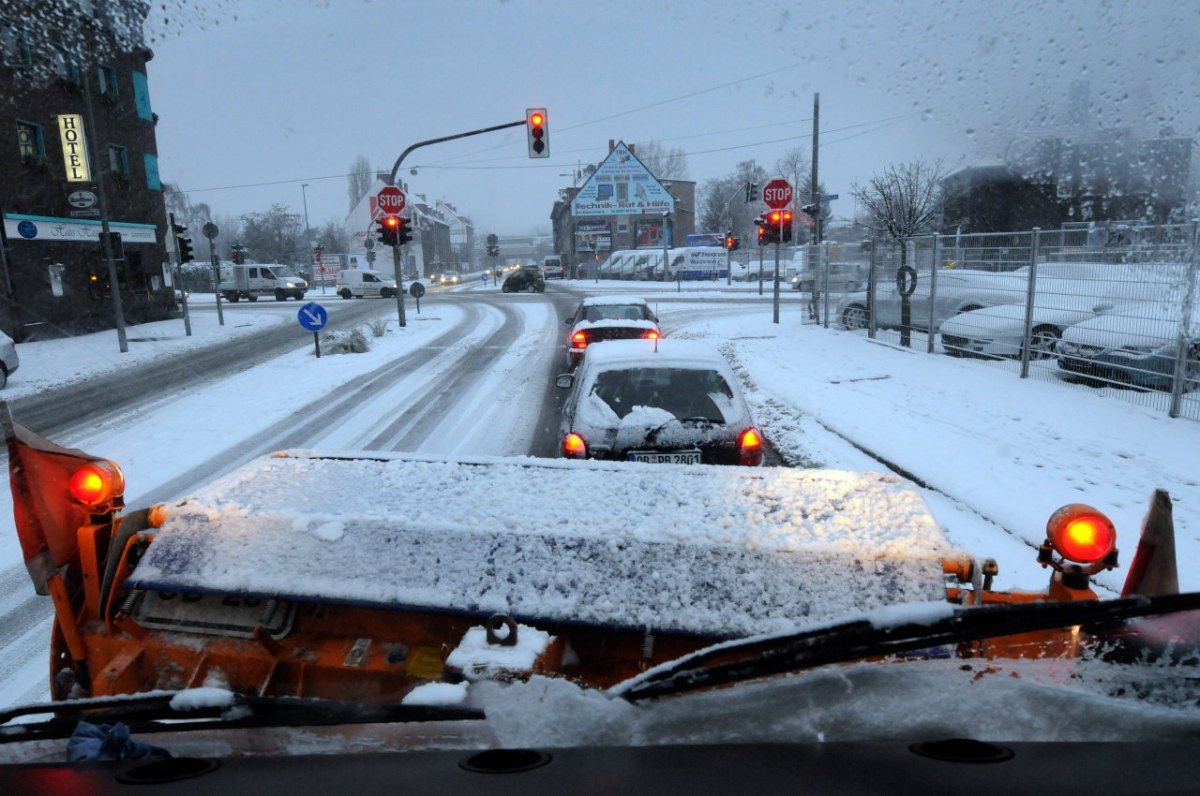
105 236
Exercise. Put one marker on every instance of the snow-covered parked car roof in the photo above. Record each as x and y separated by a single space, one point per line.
729 551
605 301
657 353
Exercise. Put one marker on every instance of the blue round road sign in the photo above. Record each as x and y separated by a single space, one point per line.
313 316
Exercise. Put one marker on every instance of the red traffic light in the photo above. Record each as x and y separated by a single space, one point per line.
391 222
775 216
536 119
538 135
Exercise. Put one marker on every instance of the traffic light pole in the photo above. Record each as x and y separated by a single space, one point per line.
775 299
399 285
419 144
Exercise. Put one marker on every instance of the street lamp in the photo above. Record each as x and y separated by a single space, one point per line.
304 193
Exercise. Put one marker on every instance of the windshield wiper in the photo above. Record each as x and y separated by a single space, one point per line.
152 712
863 638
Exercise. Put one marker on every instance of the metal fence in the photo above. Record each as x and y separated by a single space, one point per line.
1111 308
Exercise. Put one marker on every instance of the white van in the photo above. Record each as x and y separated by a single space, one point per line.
361 282
610 268
253 280
552 267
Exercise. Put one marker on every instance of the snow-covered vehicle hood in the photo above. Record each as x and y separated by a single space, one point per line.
1009 319
1123 331
833 543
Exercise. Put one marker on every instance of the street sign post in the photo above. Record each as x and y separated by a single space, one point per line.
390 200
777 194
313 317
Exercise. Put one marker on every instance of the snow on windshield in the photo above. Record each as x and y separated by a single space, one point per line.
720 551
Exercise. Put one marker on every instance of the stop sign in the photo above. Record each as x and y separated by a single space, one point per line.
777 194
391 200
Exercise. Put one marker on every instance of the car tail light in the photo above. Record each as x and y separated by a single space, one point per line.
750 452
652 335
574 447
579 340
1081 533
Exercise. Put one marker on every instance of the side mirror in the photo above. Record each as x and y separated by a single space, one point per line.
564 381
569 321
1102 308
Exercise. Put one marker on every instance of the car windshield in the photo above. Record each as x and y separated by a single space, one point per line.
684 392
916 275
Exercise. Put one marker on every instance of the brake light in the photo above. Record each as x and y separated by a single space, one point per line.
574 447
579 340
95 484
1081 533
750 452
652 335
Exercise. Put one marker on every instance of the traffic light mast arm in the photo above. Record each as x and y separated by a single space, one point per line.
419 144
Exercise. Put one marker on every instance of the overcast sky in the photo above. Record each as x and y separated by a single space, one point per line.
257 98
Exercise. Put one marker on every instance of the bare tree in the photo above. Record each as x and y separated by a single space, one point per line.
359 180
665 163
724 204
904 201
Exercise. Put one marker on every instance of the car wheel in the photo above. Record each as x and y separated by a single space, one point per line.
855 317
387 294
280 295
344 293
3 377
252 297
1042 341
232 298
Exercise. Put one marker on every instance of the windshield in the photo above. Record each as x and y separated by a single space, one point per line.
938 261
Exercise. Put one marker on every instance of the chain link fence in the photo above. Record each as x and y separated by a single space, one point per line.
1109 308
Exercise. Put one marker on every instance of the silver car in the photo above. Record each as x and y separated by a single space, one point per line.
957 291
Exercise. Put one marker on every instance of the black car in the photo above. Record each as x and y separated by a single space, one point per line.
527 278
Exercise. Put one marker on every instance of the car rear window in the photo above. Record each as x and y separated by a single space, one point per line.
616 312
684 392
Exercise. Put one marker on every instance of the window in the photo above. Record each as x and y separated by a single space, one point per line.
151 163
118 161
30 143
68 70
14 43
108 81
141 96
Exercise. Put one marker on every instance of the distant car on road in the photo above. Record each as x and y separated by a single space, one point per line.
552 267
658 401
600 318
528 278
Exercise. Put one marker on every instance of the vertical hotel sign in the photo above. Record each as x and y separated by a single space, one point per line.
70 132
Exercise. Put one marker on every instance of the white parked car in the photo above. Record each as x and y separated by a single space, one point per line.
9 361
1065 294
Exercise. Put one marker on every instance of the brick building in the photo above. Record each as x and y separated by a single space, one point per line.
75 121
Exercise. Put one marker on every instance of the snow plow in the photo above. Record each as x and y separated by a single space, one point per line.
602 573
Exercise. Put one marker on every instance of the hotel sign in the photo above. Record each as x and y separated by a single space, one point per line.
70 131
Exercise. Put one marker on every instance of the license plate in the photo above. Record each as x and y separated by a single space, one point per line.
675 457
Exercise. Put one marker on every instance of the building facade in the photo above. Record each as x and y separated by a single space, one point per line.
77 147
